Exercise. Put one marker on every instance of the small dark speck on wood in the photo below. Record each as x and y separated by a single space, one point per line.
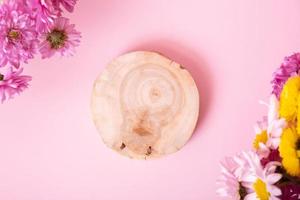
149 151
122 146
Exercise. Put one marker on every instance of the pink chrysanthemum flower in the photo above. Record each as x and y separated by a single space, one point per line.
260 181
44 12
12 82
233 171
18 36
289 67
62 38
269 130
275 123
67 4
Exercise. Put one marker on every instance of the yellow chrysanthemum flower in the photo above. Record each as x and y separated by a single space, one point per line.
260 138
289 99
289 149
298 117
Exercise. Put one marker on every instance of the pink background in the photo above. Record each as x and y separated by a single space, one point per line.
49 147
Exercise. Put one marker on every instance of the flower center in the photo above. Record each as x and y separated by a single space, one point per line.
242 191
14 35
56 38
260 138
260 189
1 77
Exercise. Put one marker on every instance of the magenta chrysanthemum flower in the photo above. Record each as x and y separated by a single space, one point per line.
18 36
12 82
62 38
289 67
67 4
44 12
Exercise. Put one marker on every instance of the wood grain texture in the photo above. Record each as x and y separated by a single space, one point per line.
145 105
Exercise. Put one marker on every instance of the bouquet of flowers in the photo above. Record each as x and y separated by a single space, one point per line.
272 169
28 27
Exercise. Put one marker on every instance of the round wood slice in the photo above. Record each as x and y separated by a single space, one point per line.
145 105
